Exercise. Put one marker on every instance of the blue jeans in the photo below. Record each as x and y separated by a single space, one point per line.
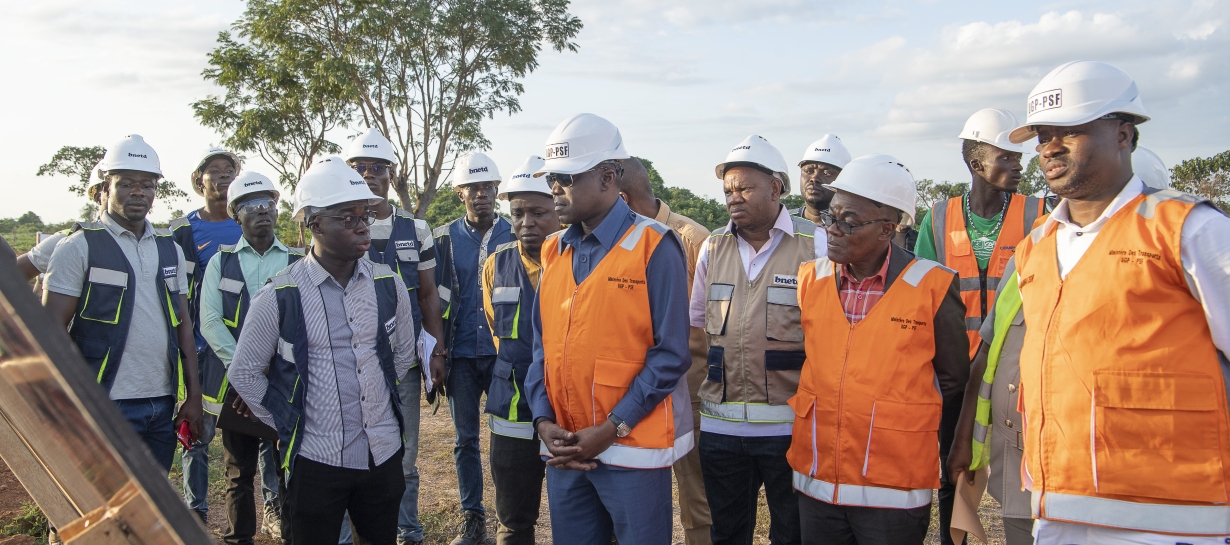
468 380
153 418
195 462
734 468
587 507
268 463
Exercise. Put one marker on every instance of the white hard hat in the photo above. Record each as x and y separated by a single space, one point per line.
828 149
208 156
991 126
756 150
1150 168
97 181
371 144
1079 92
883 179
523 180
248 183
328 182
131 153
474 168
580 143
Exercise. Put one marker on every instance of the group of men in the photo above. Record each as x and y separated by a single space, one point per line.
809 352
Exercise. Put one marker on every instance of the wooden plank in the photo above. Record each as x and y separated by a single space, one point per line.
35 477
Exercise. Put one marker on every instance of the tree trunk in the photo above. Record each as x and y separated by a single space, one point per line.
425 197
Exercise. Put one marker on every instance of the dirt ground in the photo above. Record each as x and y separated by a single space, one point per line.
439 500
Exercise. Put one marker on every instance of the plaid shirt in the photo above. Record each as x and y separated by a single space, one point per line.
857 297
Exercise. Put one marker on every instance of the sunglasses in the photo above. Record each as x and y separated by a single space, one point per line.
377 169
566 180
351 221
264 204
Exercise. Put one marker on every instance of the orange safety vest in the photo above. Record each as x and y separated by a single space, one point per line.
1122 389
867 412
954 250
595 336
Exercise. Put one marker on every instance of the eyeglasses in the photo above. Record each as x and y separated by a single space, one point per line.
566 180
376 168
844 227
351 221
263 204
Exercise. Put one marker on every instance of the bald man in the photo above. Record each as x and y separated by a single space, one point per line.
635 189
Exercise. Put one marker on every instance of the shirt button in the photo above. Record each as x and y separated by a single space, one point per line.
1008 423
1011 388
860 296
352 318
1079 233
584 259
363 398
356 345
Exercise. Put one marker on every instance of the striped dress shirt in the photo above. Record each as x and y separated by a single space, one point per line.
347 408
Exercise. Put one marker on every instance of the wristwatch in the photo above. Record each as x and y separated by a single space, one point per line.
622 429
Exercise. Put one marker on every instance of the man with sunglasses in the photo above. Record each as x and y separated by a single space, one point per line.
743 296
404 243
318 359
887 362
606 386
230 280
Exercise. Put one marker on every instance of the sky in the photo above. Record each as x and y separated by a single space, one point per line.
684 80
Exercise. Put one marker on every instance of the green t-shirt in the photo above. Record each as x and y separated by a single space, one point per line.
983 246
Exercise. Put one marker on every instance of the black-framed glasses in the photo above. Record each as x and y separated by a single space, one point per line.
566 180
263 204
351 221
376 168
827 219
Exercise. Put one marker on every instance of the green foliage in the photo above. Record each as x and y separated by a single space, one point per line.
29 218
1206 177
705 211
289 231
447 207
29 521
931 192
88 212
1032 180
792 202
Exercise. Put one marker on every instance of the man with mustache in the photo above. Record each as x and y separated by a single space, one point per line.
462 247
822 162
404 243
228 283
976 233
887 363
744 296
118 285
318 359
610 349
510 286
1123 367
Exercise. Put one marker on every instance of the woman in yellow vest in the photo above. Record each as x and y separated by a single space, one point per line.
887 362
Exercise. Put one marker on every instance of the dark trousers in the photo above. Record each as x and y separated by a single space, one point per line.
733 469
827 524
241 454
517 471
320 494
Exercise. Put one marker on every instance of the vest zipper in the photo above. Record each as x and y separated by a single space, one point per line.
841 396
982 290
567 334
743 348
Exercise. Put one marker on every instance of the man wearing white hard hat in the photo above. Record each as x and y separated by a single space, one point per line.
404 243
510 284
822 162
635 188
200 234
462 246
228 283
1123 368
34 262
318 359
119 286
743 295
1150 168
614 287
887 362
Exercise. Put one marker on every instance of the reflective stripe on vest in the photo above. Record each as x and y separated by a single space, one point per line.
516 430
748 412
1147 517
640 458
862 496
1007 304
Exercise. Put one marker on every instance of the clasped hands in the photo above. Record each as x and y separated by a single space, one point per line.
576 450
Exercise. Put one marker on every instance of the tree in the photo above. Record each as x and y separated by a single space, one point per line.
30 218
1032 180
78 163
89 212
279 102
1205 177
423 72
446 208
931 192
708 212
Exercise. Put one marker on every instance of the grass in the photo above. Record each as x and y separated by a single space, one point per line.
29 521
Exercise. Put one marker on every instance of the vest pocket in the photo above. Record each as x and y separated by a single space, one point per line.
612 378
783 315
782 373
506 310
903 447
1163 423
503 390
104 296
717 308
94 351
711 388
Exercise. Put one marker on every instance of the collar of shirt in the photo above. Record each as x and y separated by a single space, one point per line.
496 226
881 275
118 230
1130 191
664 213
318 275
243 244
607 233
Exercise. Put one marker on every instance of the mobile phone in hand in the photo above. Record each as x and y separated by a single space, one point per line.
185 435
